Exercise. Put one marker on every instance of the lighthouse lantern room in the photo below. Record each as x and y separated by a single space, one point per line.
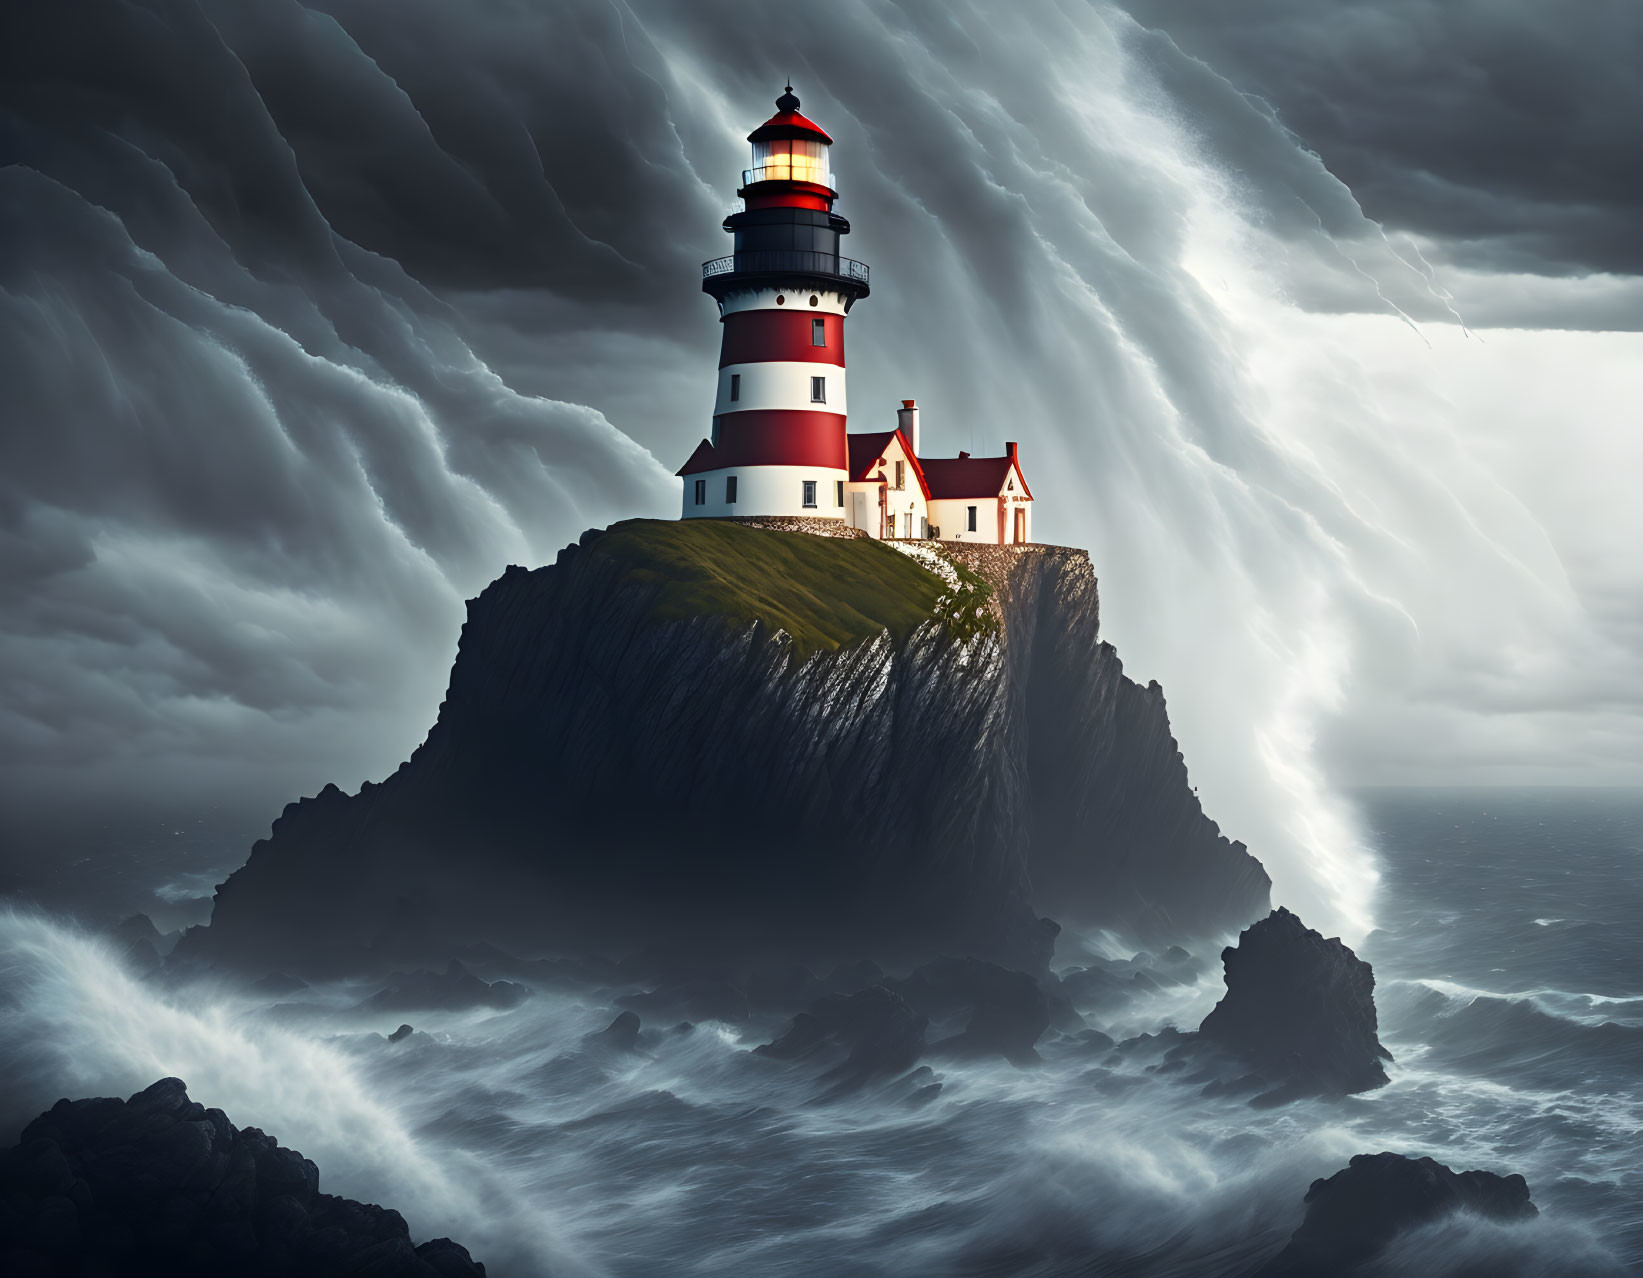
780 446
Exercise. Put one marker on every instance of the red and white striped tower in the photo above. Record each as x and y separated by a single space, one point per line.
778 445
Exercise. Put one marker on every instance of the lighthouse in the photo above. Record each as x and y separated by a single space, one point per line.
779 444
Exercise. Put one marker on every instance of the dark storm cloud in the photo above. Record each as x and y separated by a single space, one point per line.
314 316
1508 129
249 468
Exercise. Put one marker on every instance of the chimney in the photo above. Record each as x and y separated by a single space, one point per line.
907 421
1009 451
963 456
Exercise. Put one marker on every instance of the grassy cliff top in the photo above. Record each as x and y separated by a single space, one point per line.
827 592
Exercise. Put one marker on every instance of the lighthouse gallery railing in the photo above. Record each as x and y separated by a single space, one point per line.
780 261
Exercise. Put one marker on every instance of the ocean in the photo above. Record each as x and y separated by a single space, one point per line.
1509 980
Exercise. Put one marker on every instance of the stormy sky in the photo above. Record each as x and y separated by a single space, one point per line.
1318 322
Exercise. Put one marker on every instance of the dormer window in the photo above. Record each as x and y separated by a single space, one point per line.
901 475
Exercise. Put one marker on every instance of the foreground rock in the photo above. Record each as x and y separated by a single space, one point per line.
160 1185
1354 1214
909 792
874 1030
1299 1011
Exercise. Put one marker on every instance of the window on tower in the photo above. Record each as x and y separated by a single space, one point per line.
818 332
810 493
818 390
838 493
735 387
730 490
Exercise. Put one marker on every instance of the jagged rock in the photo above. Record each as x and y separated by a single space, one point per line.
1000 1011
160 1185
454 989
1354 1214
1299 1009
875 1027
403 1032
893 797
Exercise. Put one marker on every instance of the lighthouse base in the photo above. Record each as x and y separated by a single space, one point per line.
757 491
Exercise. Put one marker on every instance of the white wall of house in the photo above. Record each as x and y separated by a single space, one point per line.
764 490
863 509
904 514
951 516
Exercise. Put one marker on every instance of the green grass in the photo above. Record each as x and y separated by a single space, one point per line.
827 592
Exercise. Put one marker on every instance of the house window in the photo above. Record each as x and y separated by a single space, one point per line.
810 494
730 490
818 332
838 493
890 529
735 387
701 492
901 476
924 527
970 517
818 390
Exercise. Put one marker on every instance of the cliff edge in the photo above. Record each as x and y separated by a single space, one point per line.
706 734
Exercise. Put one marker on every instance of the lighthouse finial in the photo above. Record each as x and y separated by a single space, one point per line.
787 102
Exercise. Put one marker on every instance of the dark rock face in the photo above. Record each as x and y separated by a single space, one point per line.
1299 1009
991 1009
1354 1214
602 779
160 1185
875 1028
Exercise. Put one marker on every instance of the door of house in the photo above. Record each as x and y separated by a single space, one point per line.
1020 524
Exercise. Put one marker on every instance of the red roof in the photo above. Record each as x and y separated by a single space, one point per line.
788 124
866 449
704 458
966 476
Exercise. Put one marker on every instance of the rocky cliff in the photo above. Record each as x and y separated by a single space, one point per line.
704 734
160 1185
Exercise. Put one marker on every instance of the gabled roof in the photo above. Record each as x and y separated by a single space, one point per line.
704 458
866 449
966 476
